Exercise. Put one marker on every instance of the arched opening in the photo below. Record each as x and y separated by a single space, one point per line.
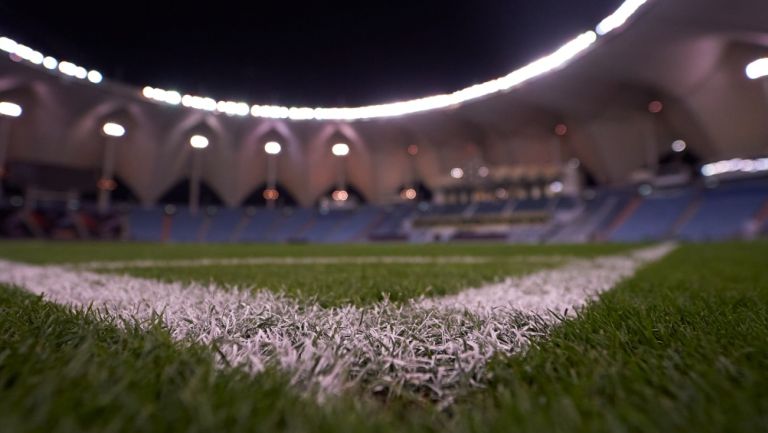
179 194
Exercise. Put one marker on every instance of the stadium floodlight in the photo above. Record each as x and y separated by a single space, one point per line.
408 194
95 77
340 195
50 63
340 149
8 45
81 73
10 109
679 145
618 18
272 147
757 69
736 165
68 68
113 129
198 141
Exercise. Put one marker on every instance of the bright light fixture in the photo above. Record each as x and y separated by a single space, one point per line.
113 129
679 145
408 194
757 69
10 109
95 77
340 195
551 62
556 187
272 147
735 165
340 149
198 141
457 173
618 18
50 63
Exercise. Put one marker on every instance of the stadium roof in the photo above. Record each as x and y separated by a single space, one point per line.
688 54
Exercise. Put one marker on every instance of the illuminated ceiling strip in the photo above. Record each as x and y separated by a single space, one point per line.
757 69
736 165
546 64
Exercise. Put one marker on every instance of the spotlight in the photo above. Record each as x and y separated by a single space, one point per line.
457 173
340 195
340 149
757 69
408 194
655 107
95 77
272 147
10 109
198 141
271 194
113 129
679 146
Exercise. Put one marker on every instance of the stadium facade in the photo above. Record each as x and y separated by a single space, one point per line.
646 104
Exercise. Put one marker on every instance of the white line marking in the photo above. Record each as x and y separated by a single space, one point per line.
437 346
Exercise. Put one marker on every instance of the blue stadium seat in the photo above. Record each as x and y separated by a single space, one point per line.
185 227
654 217
223 225
145 224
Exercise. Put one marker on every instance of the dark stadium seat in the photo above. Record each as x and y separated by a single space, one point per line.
145 224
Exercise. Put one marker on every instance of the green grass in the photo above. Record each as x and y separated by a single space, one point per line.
332 285
66 252
328 284
682 346
77 371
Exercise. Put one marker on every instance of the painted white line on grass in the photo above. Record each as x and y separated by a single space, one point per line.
433 346
318 260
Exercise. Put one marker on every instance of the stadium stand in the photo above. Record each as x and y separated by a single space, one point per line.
654 217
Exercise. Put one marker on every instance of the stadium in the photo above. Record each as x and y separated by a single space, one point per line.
578 244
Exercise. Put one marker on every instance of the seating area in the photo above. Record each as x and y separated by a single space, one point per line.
654 217
725 212
731 210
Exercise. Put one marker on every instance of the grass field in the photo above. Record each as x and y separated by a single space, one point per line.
679 345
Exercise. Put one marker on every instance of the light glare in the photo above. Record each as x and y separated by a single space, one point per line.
272 147
113 129
10 109
50 63
95 77
618 18
198 141
757 69
679 145
340 149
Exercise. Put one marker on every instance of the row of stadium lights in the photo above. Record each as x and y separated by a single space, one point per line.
554 61
273 148
557 59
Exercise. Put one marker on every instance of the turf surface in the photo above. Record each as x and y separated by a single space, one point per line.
328 284
682 346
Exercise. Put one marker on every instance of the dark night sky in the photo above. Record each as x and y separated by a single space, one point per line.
302 53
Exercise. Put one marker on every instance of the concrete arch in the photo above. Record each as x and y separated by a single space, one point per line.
324 166
251 160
